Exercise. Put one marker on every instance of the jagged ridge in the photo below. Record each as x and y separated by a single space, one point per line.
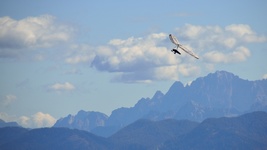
215 95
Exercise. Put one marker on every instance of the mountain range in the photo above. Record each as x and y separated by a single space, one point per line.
248 131
219 94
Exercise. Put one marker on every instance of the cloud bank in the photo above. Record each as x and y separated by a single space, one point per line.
37 120
145 59
221 45
30 32
134 59
141 59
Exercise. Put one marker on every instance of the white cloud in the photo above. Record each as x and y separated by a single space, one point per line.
62 86
188 70
135 59
216 36
264 76
7 118
145 59
37 120
140 59
134 54
238 55
43 120
30 32
220 45
239 29
245 33
25 121
167 73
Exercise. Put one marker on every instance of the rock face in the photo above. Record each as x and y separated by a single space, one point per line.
83 120
218 94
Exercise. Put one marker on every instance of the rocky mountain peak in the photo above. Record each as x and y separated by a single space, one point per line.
221 76
176 86
216 95
84 120
158 95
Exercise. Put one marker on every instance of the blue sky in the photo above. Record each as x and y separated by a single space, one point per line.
58 57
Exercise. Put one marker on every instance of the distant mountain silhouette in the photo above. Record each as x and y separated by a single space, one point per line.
218 94
55 139
8 124
247 131
146 134
83 120
8 134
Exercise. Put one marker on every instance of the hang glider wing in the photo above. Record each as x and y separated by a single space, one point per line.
188 51
174 39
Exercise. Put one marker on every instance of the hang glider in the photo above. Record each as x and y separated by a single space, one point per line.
175 41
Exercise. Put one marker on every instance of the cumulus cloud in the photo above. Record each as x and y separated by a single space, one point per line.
219 37
7 118
134 54
30 32
145 59
244 33
188 70
139 59
62 86
134 59
36 120
221 45
239 54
